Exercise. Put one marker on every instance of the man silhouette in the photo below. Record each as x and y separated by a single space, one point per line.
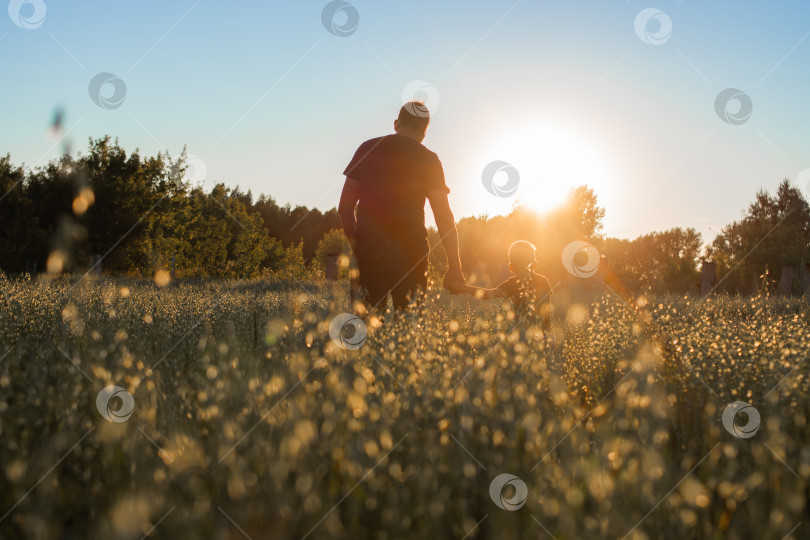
382 209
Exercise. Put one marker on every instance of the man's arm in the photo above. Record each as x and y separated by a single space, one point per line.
447 232
348 202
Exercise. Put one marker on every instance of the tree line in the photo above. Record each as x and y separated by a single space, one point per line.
124 214
750 254
138 215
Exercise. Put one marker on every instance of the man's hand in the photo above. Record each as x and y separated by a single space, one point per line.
455 283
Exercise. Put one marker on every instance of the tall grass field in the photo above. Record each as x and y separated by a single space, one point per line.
228 410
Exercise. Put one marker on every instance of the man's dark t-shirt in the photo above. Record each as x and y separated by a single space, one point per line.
516 289
395 174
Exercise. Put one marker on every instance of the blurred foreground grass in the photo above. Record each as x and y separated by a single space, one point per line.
249 421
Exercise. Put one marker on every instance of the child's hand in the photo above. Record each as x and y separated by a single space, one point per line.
472 291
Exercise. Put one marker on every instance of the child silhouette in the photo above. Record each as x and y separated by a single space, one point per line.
530 292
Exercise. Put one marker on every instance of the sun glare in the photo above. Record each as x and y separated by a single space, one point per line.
550 161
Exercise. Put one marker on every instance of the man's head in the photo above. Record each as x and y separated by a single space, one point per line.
522 256
413 120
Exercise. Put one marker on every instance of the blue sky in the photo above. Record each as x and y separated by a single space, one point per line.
566 91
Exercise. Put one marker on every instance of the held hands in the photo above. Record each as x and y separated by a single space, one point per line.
455 283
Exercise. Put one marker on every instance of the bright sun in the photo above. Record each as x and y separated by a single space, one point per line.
549 161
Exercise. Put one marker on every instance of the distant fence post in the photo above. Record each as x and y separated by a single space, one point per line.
786 280
708 275
806 280
95 265
603 270
332 266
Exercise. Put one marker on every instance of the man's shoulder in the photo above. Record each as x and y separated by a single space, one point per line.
415 146
371 143
429 153
400 142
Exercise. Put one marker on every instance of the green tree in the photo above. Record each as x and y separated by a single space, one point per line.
774 232
333 243
657 262
23 234
130 205
584 211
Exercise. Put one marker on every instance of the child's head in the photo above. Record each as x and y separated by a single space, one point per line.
522 256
